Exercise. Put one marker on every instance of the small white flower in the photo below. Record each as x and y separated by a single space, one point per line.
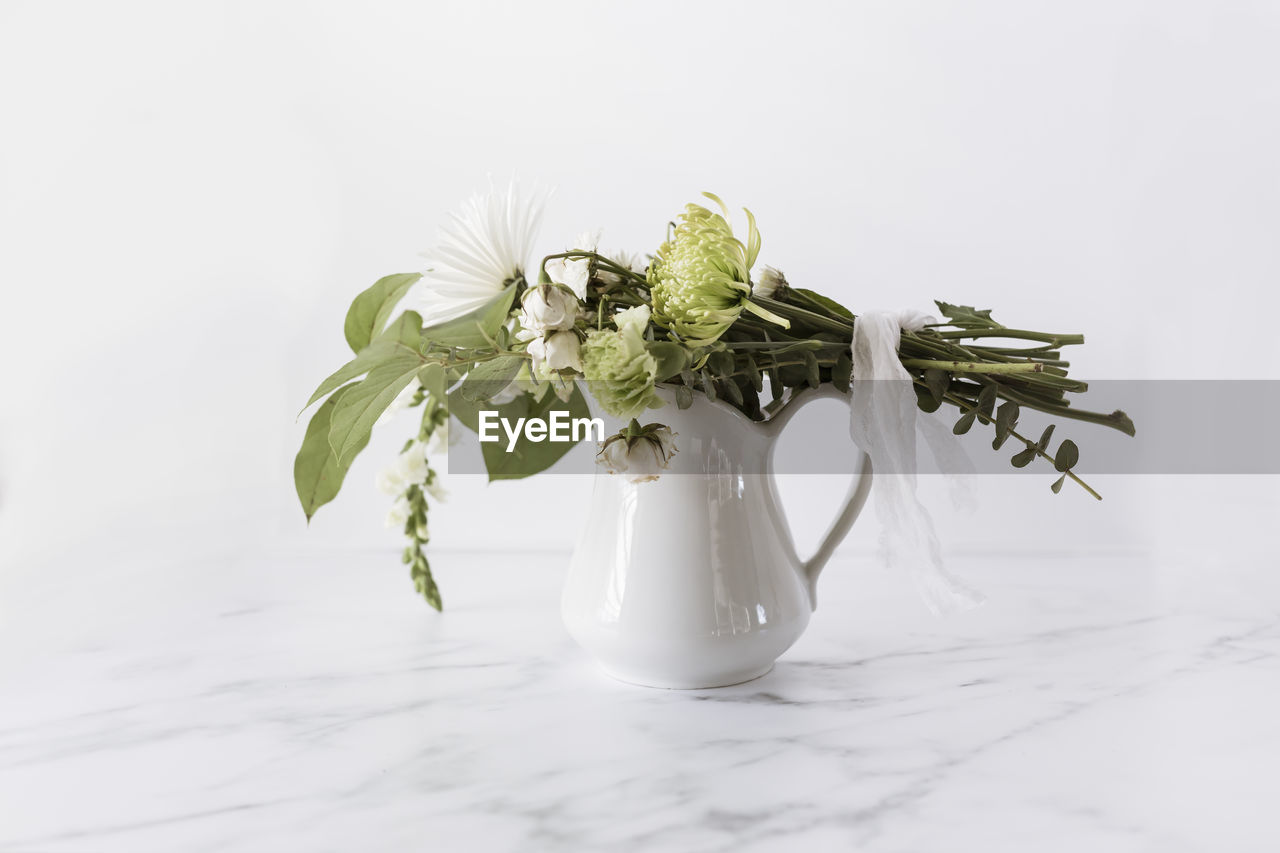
436 489
770 280
438 442
412 464
398 516
546 308
389 481
480 252
641 458
557 351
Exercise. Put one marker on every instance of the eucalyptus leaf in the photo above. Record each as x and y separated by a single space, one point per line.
964 424
317 473
370 310
684 396
672 358
842 373
1067 456
1057 484
987 400
1043 443
937 381
1023 458
924 399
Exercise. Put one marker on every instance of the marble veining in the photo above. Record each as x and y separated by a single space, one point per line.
307 701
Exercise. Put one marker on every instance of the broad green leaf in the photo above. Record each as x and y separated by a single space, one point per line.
964 423
826 302
317 473
406 331
488 378
474 329
355 414
528 457
370 310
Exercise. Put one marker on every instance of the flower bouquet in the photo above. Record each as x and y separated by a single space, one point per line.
491 334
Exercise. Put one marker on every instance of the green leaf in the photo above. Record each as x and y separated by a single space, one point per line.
987 400
826 302
925 400
529 457
938 382
1006 418
317 473
684 396
1023 458
405 332
1067 456
1043 443
966 421
1057 484
474 329
811 367
672 358
370 310
708 386
967 315
842 373
488 378
355 414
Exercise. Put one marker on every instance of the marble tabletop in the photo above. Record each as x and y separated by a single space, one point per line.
307 701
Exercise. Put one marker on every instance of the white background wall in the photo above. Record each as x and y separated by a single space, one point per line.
190 195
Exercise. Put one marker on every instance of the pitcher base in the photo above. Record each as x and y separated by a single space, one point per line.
677 683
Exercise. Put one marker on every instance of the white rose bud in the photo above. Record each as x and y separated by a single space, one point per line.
557 351
641 458
573 273
546 308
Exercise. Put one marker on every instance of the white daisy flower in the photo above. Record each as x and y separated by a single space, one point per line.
486 245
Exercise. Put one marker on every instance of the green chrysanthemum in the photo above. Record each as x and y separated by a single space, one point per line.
700 278
620 371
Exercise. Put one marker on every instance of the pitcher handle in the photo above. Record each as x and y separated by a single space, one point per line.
854 500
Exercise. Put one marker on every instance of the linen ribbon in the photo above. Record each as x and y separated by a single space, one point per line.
883 424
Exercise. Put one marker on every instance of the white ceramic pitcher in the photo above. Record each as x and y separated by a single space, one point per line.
693 580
